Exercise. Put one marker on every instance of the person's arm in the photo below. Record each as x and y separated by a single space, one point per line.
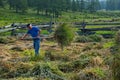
24 36
39 31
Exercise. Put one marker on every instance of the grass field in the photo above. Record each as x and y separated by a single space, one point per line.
87 58
8 17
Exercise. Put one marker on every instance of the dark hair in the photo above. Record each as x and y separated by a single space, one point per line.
28 25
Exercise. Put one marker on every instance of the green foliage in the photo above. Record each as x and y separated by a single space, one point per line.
44 32
108 44
64 35
2 3
96 38
18 5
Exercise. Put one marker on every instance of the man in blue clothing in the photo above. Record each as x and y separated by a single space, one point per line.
35 33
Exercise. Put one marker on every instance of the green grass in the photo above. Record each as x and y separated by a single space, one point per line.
109 44
44 32
8 16
105 32
5 34
100 26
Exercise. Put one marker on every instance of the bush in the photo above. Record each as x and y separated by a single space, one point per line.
64 35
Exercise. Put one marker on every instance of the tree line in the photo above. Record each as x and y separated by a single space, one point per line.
55 7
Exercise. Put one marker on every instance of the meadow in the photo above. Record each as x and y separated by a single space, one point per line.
89 57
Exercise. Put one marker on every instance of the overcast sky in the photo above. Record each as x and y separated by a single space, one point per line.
102 0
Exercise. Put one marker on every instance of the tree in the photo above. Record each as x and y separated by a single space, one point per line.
64 35
23 5
82 5
1 3
74 5
110 5
113 4
18 5
93 5
103 4
11 4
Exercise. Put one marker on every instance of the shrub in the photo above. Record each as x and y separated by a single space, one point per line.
64 35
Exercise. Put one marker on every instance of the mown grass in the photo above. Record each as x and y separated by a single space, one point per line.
81 62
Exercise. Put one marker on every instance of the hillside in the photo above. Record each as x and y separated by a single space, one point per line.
7 17
90 56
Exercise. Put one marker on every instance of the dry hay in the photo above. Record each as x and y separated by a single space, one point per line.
4 53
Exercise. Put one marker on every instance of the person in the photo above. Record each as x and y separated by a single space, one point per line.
34 31
83 26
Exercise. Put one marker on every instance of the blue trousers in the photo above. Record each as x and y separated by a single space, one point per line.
36 44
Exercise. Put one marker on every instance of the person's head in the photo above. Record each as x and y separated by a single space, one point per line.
29 26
